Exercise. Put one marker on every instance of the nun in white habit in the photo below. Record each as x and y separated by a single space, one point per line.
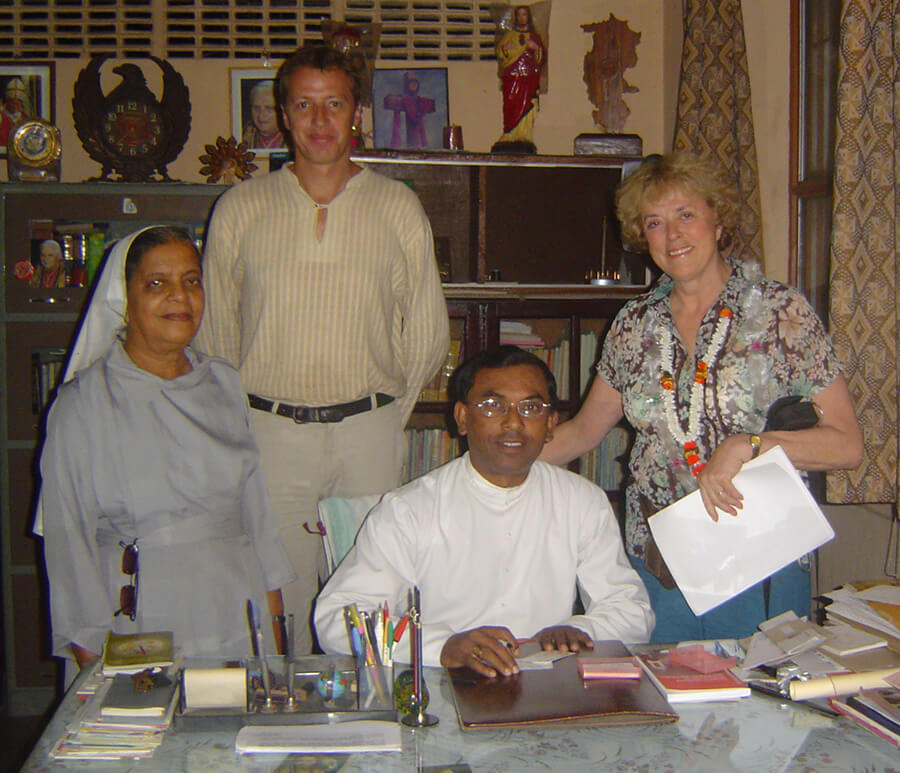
148 451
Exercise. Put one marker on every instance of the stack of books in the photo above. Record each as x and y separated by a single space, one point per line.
128 701
692 679
878 711
125 719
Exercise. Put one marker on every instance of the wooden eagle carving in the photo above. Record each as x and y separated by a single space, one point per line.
129 132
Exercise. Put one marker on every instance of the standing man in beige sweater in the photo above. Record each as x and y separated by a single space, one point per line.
322 288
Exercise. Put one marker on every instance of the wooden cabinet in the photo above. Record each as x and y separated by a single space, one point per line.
36 328
528 219
539 222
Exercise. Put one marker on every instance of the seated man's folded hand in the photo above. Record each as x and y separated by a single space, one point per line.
489 650
564 638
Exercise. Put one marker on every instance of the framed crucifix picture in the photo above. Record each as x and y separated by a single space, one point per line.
410 107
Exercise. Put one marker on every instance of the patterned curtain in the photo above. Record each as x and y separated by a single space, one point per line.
865 245
714 113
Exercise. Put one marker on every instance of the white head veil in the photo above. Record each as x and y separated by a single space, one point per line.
104 318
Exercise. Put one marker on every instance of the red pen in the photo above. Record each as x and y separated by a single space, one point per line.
398 631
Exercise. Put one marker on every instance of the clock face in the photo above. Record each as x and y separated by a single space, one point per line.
132 128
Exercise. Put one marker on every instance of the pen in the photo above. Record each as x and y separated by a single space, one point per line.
251 621
376 651
398 631
389 638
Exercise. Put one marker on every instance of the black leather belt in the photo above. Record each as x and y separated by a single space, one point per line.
303 414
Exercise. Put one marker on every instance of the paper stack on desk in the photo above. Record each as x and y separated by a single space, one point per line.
875 609
363 735
713 561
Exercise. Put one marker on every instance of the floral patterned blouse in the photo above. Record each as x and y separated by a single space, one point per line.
774 345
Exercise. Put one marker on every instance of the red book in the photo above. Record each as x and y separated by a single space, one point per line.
682 684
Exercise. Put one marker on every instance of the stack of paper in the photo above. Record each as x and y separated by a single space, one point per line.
875 609
97 737
362 735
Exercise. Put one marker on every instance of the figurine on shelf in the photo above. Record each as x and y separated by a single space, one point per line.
521 60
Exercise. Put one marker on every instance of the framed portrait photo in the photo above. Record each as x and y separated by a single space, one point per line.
26 91
410 107
254 114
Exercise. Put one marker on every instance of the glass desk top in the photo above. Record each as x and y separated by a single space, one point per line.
757 734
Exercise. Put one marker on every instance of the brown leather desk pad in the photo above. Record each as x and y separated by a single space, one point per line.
557 696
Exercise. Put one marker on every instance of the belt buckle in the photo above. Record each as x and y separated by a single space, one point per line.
329 415
304 414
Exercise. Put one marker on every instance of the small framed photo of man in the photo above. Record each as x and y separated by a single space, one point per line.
26 92
254 114
410 107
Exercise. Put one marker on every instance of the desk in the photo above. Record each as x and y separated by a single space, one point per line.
753 734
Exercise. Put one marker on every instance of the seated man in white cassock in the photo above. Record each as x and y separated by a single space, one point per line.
498 543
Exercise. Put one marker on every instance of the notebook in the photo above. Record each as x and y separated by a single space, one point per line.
557 696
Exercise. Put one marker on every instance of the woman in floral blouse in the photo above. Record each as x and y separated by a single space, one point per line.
694 365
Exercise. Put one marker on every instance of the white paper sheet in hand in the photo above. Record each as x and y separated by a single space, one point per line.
713 561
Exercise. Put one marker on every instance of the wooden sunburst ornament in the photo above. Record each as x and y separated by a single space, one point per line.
227 160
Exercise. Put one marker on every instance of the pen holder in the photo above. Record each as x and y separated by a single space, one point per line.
375 693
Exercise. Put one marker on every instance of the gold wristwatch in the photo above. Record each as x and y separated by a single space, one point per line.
755 444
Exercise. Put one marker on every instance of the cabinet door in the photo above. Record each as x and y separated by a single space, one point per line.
550 224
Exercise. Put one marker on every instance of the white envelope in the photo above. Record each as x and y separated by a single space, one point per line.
713 561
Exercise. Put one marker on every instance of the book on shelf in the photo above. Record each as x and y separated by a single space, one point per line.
682 684
436 389
133 652
605 465
428 448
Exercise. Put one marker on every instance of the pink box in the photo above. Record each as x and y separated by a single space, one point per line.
608 668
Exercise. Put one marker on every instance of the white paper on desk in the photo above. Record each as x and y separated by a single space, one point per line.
360 735
713 561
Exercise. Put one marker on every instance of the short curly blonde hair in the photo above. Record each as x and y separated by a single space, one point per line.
686 171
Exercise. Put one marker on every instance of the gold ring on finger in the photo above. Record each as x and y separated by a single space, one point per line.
476 651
